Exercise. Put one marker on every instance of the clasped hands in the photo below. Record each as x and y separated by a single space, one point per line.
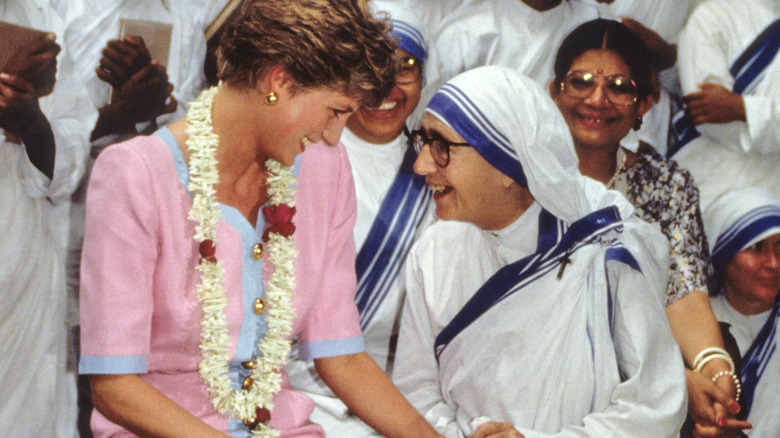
141 91
28 75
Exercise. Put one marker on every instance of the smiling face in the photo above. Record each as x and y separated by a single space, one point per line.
752 278
468 189
302 117
594 121
382 125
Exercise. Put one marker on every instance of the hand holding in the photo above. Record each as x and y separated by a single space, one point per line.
708 404
121 59
18 104
494 429
714 104
146 94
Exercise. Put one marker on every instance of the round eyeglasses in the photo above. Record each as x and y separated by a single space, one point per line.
618 89
440 148
407 70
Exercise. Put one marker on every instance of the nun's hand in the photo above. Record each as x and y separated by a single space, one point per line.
494 429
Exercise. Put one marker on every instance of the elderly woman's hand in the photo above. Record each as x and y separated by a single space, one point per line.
494 429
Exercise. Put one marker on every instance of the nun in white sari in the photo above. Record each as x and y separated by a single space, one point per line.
537 301
744 230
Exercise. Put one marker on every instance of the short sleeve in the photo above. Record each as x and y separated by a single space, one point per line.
119 254
327 208
666 194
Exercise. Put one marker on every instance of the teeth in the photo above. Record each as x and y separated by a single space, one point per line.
438 188
387 106
306 141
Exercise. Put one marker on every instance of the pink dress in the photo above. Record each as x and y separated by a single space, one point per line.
139 314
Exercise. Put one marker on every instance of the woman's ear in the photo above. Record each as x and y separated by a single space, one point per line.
277 81
643 106
554 89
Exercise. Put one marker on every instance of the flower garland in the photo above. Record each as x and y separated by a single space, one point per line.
254 403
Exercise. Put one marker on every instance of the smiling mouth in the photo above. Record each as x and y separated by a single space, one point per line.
387 106
439 189
306 141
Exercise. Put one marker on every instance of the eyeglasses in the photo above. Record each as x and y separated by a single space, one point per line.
440 148
618 89
408 70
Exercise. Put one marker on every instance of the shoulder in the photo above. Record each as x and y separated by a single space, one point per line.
148 154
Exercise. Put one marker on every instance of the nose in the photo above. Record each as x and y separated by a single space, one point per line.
332 132
598 97
424 163
773 259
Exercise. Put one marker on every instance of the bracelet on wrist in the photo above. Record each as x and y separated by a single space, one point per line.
734 378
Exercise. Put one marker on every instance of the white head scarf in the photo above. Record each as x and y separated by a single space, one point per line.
738 219
407 27
512 123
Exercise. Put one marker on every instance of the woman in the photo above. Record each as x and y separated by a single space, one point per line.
536 302
744 229
393 206
603 88
190 296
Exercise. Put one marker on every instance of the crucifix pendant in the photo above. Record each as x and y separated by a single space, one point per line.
564 260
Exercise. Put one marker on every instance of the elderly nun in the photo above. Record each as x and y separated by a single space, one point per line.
393 206
536 303
743 226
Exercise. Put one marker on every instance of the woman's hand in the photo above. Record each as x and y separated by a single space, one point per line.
714 104
707 406
494 429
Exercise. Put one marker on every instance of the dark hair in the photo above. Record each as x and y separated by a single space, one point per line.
320 43
610 35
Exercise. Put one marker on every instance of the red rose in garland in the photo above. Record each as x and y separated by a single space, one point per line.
279 218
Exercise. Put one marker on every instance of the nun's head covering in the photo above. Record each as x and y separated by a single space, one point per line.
407 27
736 220
515 126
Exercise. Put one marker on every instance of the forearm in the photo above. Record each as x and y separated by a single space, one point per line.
39 143
695 328
130 402
368 392
112 120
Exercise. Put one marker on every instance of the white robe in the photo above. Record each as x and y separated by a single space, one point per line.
374 168
37 380
736 154
528 360
744 328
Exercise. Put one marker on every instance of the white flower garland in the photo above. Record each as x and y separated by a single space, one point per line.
274 349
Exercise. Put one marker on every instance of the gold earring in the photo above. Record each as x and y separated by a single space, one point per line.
271 98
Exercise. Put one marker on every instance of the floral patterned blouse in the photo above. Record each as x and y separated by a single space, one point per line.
665 194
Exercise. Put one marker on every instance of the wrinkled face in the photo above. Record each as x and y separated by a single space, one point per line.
468 189
752 277
304 117
595 121
382 125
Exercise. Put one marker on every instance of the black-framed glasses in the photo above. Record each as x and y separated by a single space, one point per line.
618 89
440 148
408 70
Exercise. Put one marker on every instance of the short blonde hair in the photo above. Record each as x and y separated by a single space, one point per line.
336 44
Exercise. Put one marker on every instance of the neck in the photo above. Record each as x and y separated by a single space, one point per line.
505 213
744 305
238 152
597 163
